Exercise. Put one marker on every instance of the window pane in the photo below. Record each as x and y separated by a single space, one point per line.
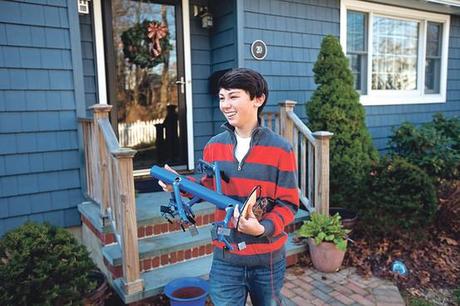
357 66
356 27
432 75
433 58
394 59
433 39
357 48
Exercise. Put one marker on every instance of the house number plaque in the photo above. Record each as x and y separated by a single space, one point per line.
259 49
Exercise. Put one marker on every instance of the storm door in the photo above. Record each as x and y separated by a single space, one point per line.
146 80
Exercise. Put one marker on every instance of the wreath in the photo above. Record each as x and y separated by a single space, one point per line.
144 44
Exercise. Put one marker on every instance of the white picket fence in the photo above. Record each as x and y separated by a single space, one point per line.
131 134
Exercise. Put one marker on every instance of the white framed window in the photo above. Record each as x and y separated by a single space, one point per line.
397 55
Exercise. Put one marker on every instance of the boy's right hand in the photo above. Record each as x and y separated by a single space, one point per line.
166 187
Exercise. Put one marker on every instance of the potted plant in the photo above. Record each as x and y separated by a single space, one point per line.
327 241
42 264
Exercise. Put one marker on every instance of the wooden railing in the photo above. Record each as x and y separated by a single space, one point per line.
312 155
110 183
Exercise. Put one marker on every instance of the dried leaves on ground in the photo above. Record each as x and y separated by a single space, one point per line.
432 258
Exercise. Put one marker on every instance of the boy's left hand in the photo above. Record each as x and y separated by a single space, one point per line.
248 224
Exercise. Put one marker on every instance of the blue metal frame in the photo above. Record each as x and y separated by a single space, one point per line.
183 209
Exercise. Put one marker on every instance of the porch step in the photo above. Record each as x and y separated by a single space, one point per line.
148 207
155 280
172 247
158 246
149 219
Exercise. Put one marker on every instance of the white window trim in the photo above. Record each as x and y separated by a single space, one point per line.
100 54
188 83
378 97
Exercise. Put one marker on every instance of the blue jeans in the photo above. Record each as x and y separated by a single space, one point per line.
230 284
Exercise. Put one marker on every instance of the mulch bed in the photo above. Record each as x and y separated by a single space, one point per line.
432 259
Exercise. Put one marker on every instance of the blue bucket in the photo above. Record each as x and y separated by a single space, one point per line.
187 291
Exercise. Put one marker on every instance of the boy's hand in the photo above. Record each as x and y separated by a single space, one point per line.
166 187
248 224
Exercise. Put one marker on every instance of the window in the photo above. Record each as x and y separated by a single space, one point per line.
357 47
396 55
433 57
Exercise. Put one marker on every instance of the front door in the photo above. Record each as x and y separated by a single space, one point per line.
146 80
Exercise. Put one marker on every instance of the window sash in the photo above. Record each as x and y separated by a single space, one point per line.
390 96
433 58
392 68
357 52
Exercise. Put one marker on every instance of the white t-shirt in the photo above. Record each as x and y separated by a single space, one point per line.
242 147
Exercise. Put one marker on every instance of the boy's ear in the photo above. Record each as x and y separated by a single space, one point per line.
259 100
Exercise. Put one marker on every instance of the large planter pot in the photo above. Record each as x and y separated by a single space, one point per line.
347 216
98 296
326 257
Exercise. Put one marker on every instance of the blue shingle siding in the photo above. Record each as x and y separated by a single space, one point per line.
201 69
39 157
293 31
224 48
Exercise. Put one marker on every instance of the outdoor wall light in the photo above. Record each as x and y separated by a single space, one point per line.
206 17
83 7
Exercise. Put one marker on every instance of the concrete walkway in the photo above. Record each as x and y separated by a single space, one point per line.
345 287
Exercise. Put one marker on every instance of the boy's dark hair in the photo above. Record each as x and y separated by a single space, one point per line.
248 80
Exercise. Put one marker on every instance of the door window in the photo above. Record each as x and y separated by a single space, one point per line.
149 98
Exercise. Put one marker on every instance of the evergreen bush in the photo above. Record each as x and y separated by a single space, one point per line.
434 147
400 196
43 265
335 107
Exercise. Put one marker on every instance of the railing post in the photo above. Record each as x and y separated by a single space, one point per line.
101 111
287 126
322 171
128 227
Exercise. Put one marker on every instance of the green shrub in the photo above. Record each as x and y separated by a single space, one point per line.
335 107
416 301
43 265
400 196
434 147
457 296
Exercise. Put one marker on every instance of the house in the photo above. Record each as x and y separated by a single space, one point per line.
156 62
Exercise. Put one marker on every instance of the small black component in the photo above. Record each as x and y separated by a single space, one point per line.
166 209
224 176
190 219
169 220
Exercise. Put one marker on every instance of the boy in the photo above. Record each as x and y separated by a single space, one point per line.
250 155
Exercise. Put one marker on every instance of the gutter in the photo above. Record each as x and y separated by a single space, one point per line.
454 3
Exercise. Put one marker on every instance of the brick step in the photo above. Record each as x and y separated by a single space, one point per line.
173 247
155 280
149 219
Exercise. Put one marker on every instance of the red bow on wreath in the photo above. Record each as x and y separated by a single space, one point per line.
156 31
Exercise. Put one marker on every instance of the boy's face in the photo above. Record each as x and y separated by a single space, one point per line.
238 108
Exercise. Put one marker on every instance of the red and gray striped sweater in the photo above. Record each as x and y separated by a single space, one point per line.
270 163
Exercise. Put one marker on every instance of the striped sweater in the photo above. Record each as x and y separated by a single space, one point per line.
270 163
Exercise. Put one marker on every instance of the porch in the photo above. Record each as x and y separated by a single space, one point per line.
138 250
